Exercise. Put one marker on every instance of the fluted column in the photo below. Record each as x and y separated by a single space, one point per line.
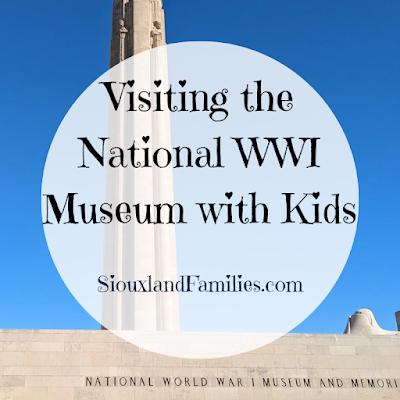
136 251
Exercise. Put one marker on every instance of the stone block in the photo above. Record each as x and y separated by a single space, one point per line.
12 359
54 380
386 362
41 358
290 349
72 336
150 393
284 361
35 336
185 394
268 349
354 340
178 371
73 346
318 349
60 393
284 394
89 394
158 372
105 359
389 351
320 394
104 337
122 347
136 359
32 346
327 340
227 372
24 393
394 373
342 350
203 371
46 370
366 350
6 393
12 381
225 362
118 393
316 373
254 393
122 371
189 362
283 340
17 370
306 362
75 359
347 373
7 336
216 394
101 347
348 394
305 339
345 362
247 360
96 371
159 360
385 341
70 371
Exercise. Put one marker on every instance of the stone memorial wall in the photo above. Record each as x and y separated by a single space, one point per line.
97 365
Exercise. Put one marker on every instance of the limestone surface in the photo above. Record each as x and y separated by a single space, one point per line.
97 365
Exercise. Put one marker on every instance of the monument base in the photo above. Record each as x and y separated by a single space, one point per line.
98 365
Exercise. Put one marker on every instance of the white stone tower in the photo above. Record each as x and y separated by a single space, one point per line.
137 25
135 251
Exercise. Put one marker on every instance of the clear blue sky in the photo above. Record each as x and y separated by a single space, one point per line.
51 50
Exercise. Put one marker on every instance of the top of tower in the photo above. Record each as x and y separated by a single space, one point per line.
143 28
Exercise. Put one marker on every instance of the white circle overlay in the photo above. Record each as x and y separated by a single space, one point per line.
268 250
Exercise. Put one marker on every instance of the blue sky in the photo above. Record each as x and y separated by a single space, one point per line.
348 51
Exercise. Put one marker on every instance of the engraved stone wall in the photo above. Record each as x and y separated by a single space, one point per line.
97 365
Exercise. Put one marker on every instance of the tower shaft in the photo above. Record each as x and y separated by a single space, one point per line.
143 251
